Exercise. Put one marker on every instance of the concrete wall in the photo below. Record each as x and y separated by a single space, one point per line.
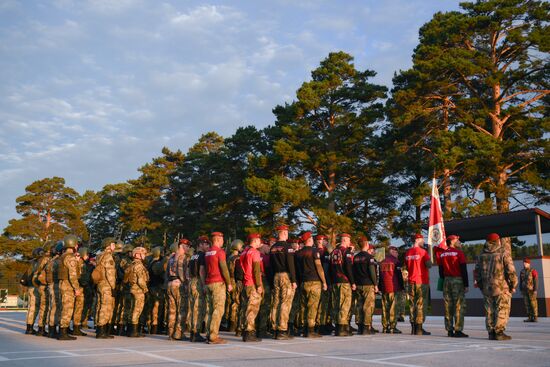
474 298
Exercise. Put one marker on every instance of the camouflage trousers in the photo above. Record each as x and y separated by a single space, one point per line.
296 315
342 298
237 309
78 307
263 321
43 305
33 304
215 298
156 304
250 303
418 308
105 304
531 306
196 305
281 301
137 303
54 312
366 298
67 303
311 297
389 320
400 303
497 311
175 301
455 303
323 316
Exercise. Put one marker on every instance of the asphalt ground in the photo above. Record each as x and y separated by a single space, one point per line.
530 346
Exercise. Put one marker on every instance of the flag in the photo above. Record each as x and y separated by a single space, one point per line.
436 231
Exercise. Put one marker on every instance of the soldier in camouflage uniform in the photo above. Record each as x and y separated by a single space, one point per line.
52 278
175 277
366 280
125 311
251 296
79 299
122 259
528 285
324 323
417 261
40 283
32 290
263 321
452 269
233 301
156 291
137 277
295 321
496 277
401 297
69 288
106 283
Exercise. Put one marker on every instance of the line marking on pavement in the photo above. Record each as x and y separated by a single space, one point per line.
167 359
69 353
13 320
371 361
419 354
280 351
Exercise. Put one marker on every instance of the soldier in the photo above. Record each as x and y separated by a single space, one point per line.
528 285
417 261
262 322
69 288
313 283
156 293
137 277
391 282
52 278
104 276
217 283
343 283
324 323
175 277
401 296
295 320
366 280
87 285
453 271
123 258
81 256
251 296
234 297
32 290
40 284
281 259
496 277
197 290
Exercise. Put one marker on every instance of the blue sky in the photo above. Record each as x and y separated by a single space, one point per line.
91 90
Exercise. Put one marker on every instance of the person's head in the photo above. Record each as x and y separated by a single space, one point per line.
526 263
236 246
70 243
345 240
371 249
294 243
320 241
217 239
139 253
156 252
364 243
272 241
493 239
84 253
453 241
393 251
307 239
282 232
185 243
203 243
418 240
254 240
109 244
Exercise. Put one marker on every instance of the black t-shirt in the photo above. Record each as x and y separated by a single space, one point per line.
364 269
281 259
238 272
306 263
195 263
341 268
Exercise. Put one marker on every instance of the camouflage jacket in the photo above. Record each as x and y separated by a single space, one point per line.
494 270
70 269
138 277
529 280
106 263
39 275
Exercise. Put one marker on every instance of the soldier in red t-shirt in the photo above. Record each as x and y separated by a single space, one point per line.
217 283
452 269
251 295
528 284
418 262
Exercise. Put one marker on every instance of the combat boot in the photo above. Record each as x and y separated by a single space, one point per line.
394 331
52 332
30 330
250 336
153 329
361 330
40 331
78 332
400 319
133 331
141 331
218 340
420 330
282 335
311 333
413 328
365 330
232 327
373 330
450 333
64 334
460 334
197 338
120 330
492 335
501 336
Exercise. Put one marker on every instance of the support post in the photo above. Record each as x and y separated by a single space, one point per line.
539 234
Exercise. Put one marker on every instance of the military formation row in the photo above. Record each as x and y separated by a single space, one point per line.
278 289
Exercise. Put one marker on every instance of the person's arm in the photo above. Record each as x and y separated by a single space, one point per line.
142 278
320 272
464 273
257 269
291 265
510 272
348 269
71 263
535 281
372 272
223 268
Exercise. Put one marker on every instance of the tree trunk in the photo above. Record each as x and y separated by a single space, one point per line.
447 194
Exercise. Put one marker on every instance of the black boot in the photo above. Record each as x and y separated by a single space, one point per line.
421 331
78 332
40 331
64 334
413 329
311 333
460 334
365 330
250 336
282 335
30 330
52 332
394 331
141 331
501 336
361 329
133 331
492 335
120 330
197 338
153 329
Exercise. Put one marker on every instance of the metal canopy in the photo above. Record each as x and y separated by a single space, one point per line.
511 224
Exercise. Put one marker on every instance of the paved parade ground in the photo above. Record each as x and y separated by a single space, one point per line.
530 347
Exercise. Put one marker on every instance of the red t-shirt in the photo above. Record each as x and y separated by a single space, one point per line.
415 259
212 259
451 259
248 258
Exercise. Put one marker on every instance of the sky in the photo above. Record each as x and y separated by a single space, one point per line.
92 90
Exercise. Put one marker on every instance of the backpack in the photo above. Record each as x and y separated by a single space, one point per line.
129 277
97 274
25 280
